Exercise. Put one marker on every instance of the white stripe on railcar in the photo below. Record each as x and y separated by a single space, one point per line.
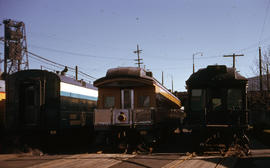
65 87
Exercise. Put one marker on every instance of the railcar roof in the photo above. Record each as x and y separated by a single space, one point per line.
62 78
126 72
215 73
69 80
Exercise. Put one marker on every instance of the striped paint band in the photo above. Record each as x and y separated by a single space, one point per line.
66 87
167 94
75 91
78 96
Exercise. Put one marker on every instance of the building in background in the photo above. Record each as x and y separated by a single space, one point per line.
254 83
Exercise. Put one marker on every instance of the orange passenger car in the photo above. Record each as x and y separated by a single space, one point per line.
131 100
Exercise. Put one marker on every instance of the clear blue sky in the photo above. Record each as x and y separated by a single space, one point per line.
101 34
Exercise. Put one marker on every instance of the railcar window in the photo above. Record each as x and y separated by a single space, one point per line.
217 99
30 96
109 102
197 99
234 99
144 101
127 99
216 103
196 92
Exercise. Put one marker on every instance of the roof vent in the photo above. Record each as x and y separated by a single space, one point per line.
149 73
220 68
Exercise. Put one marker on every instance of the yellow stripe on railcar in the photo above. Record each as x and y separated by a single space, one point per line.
2 96
167 94
2 108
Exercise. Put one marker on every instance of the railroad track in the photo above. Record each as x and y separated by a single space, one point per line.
161 160
179 161
215 160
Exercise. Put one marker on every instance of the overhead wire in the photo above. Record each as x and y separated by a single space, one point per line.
40 57
54 36
42 61
78 54
264 21
52 63
58 65
61 65
42 65
79 72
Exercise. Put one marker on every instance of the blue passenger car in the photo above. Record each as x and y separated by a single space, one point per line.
45 102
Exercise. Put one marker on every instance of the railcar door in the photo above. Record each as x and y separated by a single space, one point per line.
197 106
127 98
235 106
217 113
30 103
123 115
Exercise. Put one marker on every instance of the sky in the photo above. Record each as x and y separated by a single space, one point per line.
97 35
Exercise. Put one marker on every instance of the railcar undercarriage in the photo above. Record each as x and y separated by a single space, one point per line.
216 139
127 140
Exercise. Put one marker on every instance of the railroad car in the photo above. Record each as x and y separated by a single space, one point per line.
133 105
2 102
217 104
45 102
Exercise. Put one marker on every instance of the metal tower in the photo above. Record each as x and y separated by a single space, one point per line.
15 57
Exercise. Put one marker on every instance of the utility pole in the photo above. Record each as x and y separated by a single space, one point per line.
162 79
260 68
138 51
234 55
76 72
267 77
193 59
172 84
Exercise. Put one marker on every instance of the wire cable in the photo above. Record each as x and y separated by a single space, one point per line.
61 65
264 21
78 54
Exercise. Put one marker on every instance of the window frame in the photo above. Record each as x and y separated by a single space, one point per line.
141 103
104 103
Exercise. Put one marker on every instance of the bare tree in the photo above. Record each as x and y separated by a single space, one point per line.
255 69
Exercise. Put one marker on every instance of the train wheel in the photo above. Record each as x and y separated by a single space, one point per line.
143 148
243 141
103 141
147 143
119 142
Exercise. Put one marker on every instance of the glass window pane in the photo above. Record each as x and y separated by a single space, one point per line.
234 99
30 97
197 99
144 101
127 99
196 92
109 102
216 104
217 99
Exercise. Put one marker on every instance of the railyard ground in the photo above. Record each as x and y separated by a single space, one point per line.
75 153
